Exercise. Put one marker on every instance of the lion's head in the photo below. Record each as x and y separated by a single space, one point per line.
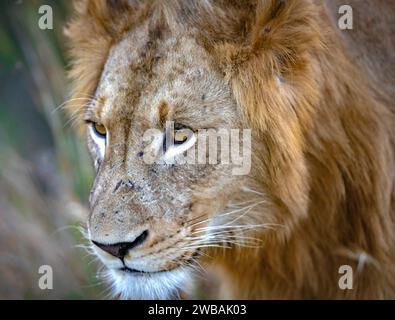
153 77
157 92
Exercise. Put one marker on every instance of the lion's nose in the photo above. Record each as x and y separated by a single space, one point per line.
120 249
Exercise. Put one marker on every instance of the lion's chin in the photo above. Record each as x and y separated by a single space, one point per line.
148 286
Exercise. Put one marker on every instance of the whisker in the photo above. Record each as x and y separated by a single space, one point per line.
253 226
57 108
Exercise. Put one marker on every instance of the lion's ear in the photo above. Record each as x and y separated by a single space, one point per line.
101 15
101 6
286 26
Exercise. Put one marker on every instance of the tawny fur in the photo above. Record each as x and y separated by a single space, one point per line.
325 130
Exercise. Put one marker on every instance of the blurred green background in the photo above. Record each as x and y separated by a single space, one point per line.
45 172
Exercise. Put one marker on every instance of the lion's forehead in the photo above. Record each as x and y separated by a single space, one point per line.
177 71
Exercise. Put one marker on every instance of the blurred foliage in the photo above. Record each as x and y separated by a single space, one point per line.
45 173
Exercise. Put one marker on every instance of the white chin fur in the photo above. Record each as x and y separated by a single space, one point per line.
155 286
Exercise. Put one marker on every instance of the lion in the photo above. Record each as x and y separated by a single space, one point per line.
314 215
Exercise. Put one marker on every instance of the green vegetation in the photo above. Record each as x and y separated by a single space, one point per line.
45 173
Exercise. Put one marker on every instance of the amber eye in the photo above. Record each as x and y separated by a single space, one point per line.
181 135
99 129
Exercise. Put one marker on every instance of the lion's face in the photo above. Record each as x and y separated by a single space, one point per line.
150 214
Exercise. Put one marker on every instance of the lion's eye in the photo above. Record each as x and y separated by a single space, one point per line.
98 133
178 141
181 136
99 129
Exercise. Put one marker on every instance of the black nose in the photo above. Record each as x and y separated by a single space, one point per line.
120 249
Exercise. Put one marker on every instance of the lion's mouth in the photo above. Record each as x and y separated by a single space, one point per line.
135 271
126 269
